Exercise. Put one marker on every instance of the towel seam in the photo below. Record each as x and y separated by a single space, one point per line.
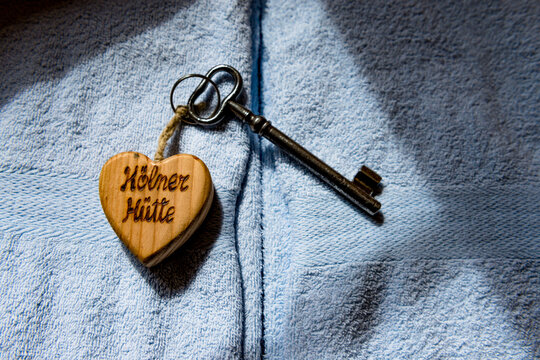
237 249
257 101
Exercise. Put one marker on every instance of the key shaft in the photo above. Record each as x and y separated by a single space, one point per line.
355 193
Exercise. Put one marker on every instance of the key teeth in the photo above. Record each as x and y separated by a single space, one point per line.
368 180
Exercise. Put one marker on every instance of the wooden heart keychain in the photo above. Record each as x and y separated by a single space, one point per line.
155 206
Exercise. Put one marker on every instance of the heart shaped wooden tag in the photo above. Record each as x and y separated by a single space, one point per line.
155 206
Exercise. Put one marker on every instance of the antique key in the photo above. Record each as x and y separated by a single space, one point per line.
360 191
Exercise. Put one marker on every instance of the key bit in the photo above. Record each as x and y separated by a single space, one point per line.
368 180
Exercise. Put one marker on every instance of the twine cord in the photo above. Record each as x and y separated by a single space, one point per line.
181 114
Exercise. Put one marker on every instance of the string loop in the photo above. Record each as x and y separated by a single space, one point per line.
180 114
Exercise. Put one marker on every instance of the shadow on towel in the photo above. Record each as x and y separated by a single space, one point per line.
68 33
455 83
174 274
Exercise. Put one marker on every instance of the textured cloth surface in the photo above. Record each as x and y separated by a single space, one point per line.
82 81
440 99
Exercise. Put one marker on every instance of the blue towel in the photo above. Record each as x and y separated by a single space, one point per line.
440 99
81 82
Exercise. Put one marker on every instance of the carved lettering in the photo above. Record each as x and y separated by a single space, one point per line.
147 209
153 175
163 203
148 217
169 215
129 179
184 179
130 209
172 182
143 179
135 181
157 212
160 179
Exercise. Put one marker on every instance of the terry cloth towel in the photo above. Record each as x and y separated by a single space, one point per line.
82 81
441 99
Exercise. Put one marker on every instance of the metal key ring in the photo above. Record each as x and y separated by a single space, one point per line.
219 114
200 88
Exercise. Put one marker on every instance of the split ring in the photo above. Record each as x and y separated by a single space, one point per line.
198 90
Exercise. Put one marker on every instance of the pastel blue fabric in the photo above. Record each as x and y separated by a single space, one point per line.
441 99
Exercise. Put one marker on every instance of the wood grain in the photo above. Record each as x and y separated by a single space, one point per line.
154 207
